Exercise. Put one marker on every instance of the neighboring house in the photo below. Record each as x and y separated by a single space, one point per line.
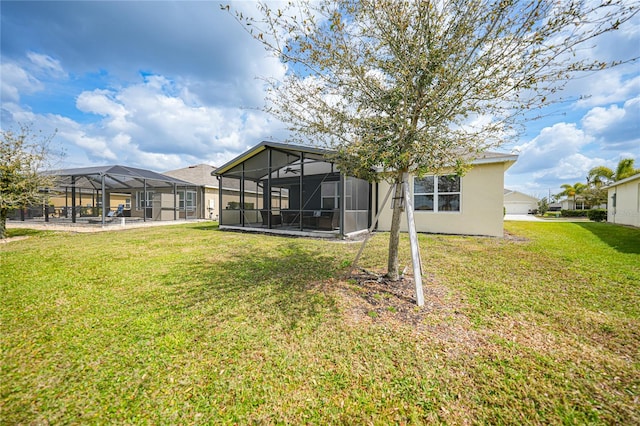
555 207
518 203
207 189
309 194
570 204
624 201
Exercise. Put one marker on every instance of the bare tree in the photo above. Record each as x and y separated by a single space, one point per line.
417 87
23 157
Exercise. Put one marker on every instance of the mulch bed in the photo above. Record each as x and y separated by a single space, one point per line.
382 298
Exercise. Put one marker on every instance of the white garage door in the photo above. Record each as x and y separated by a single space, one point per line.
518 208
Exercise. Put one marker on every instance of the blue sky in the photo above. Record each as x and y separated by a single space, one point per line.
162 85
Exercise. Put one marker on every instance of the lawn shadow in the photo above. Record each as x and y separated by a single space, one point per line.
23 232
206 226
624 239
284 282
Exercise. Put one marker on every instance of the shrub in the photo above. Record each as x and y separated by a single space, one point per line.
543 206
597 215
573 213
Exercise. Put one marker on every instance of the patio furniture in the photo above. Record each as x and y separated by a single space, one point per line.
329 220
321 219
276 219
290 217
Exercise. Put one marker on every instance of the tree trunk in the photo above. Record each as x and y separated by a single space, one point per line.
394 235
3 223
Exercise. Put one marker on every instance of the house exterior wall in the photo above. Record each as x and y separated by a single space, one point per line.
626 210
200 176
481 206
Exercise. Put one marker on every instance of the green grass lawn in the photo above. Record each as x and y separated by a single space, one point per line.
190 325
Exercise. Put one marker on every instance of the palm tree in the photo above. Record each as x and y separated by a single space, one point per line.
572 190
625 169
599 176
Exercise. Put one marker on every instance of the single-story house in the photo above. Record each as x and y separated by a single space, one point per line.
570 204
624 201
301 190
519 203
206 188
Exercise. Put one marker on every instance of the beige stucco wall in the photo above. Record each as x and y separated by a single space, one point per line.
481 206
627 209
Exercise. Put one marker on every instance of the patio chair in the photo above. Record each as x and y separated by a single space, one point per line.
329 221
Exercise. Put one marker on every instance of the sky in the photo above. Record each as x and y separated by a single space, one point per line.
163 85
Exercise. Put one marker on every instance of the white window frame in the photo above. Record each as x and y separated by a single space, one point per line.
183 196
140 200
436 195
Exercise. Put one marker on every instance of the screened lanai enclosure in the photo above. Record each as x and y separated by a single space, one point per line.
101 193
284 188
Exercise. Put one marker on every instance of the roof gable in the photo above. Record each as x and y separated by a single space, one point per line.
199 174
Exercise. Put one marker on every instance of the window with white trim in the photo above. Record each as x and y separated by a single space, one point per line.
437 193
141 201
190 200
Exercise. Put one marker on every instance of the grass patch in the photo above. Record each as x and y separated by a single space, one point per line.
191 325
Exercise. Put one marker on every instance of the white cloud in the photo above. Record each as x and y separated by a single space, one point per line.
573 167
565 152
599 118
158 123
45 64
605 87
99 102
550 146
16 80
614 127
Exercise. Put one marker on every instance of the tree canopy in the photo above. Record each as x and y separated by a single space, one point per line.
598 177
421 86
625 169
23 156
